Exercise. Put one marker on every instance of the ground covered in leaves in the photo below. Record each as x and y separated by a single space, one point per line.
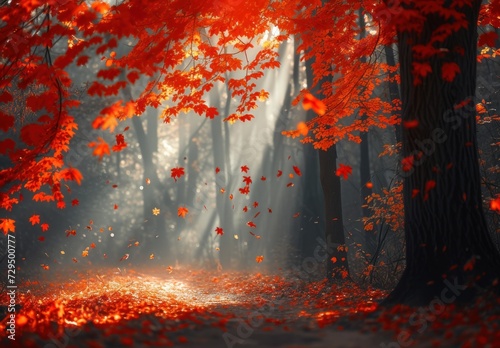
188 308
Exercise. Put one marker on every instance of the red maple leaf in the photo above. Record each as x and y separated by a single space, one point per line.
219 231
44 226
251 224
247 180
245 190
177 172
343 171
75 202
280 172
244 169
217 170
297 170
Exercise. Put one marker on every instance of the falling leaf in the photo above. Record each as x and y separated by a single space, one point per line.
115 207
41 238
245 208
269 210
148 181
255 235
231 196
182 211
495 204
219 231
311 102
75 202
263 178
45 267
44 226
92 245
255 204
247 180
244 169
296 215
156 211
290 184
302 128
85 253
70 233
151 256
217 170
343 171
235 236
34 219
63 252
74 260
297 170
251 224
259 258
124 257
177 172
279 173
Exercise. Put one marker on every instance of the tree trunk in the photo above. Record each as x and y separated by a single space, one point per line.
337 264
449 251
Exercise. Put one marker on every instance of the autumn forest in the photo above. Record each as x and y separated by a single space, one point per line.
249 173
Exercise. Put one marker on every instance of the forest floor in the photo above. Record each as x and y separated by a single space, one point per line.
187 308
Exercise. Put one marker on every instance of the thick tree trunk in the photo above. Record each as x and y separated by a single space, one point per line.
449 251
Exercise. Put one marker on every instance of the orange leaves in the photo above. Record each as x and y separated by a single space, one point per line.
259 259
156 211
101 148
45 227
176 173
495 204
7 225
34 219
219 231
311 102
343 171
71 174
302 128
182 211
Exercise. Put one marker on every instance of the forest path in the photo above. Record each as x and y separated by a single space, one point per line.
194 308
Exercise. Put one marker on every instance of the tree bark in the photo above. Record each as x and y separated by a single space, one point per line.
449 251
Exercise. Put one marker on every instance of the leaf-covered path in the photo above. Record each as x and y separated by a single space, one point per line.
187 308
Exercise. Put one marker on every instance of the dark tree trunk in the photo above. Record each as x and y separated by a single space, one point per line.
449 251
337 263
